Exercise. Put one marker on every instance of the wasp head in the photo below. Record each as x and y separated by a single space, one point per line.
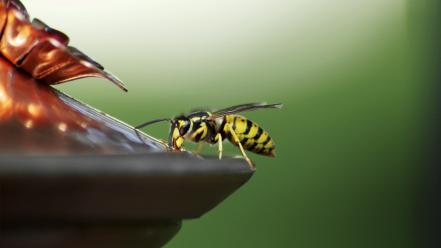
183 124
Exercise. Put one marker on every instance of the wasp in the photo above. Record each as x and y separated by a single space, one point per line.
215 127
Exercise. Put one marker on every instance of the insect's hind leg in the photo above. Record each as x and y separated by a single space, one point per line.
236 139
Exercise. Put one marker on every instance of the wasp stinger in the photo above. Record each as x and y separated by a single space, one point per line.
214 127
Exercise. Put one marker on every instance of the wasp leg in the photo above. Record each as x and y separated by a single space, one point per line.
220 147
164 143
199 149
236 139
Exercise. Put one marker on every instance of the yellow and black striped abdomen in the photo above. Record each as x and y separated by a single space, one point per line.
252 137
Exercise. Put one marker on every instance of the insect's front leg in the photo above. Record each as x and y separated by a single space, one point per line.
165 144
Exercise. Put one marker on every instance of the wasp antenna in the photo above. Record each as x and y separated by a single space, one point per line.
152 122
277 105
270 105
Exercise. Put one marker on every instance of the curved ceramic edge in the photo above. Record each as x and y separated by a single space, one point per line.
148 164
114 188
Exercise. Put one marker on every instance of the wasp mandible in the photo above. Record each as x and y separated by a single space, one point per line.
215 127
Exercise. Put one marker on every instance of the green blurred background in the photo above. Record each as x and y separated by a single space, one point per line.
353 76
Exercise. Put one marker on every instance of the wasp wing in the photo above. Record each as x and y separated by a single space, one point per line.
243 108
